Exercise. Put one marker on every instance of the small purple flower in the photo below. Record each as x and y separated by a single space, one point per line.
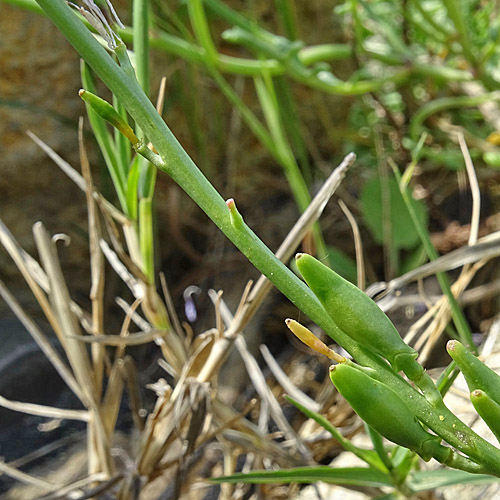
189 305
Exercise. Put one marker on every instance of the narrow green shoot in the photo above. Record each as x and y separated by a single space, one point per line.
457 314
368 456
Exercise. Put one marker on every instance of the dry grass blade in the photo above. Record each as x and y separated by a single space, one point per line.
135 286
112 398
440 315
474 186
99 449
37 280
487 247
124 331
29 267
44 450
172 313
96 263
358 245
247 435
159 434
259 382
134 316
60 299
33 274
131 339
73 489
44 411
129 374
14 473
289 387
201 349
433 332
173 351
77 178
224 343
42 341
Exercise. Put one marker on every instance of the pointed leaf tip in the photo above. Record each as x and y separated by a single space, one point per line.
235 217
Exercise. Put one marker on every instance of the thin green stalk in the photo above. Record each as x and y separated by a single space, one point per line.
146 237
386 31
140 23
368 456
174 160
122 145
270 107
443 103
446 379
391 253
457 314
425 27
30 5
253 123
234 18
202 30
378 446
105 141
132 187
147 175
192 99
455 9
269 103
291 122
443 73
429 19
286 11
325 52
271 111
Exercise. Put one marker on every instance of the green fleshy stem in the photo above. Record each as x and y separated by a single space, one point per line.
476 373
488 410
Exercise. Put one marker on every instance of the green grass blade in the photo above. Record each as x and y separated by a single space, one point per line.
463 328
432 479
368 456
105 140
286 11
349 476
122 144
269 103
140 27
146 237
132 187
